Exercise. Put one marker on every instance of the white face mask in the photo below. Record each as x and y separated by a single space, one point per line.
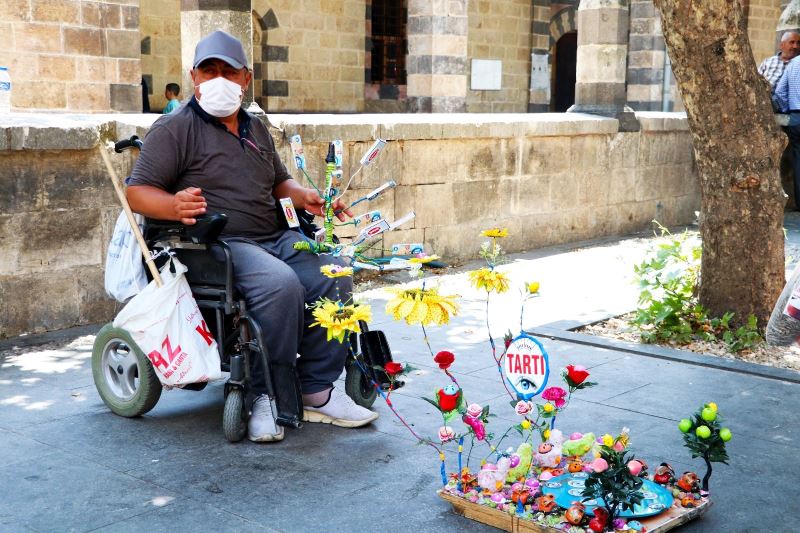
220 97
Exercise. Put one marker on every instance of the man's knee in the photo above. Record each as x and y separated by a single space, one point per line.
281 288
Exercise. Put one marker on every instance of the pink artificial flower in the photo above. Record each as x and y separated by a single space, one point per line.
523 408
477 426
474 410
555 395
446 434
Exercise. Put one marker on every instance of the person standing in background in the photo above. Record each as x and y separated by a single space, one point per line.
772 67
171 93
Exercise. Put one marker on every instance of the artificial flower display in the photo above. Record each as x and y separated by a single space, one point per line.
557 395
523 408
422 306
446 434
576 375
393 369
336 271
448 398
495 233
475 418
489 279
423 259
338 319
444 359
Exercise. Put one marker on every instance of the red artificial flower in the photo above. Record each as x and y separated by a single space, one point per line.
577 374
447 402
393 368
444 359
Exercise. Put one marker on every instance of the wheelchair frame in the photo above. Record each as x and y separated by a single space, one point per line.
239 337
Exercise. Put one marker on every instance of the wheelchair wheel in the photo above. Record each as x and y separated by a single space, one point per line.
123 376
234 419
359 386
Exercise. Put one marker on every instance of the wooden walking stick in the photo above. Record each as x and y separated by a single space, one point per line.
134 226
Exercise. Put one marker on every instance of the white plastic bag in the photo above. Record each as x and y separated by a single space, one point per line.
124 269
783 328
167 325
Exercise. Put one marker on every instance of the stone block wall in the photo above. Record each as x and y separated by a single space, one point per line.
762 19
464 173
501 30
57 211
311 52
160 34
72 55
459 173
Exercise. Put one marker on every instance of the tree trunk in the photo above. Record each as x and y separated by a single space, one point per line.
738 148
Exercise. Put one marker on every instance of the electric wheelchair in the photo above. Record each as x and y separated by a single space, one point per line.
124 376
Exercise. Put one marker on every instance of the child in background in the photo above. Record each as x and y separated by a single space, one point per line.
171 94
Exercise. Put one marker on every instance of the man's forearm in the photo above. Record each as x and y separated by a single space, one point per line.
291 189
151 202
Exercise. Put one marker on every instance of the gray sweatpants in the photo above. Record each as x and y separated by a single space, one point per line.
277 281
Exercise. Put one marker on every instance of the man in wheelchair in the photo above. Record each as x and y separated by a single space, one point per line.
213 157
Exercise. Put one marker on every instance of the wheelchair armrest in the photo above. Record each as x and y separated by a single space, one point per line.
206 230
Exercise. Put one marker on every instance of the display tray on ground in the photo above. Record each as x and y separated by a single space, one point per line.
671 518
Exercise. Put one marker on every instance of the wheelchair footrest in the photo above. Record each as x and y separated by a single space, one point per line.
289 421
376 352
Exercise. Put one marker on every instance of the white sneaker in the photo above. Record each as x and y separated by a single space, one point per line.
340 411
262 427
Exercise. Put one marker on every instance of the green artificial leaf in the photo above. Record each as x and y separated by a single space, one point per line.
433 403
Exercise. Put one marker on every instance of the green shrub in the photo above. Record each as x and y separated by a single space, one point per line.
669 311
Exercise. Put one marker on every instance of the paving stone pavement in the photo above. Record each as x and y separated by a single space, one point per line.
70 465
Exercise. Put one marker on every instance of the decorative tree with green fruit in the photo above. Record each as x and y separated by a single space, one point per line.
613 481
705 437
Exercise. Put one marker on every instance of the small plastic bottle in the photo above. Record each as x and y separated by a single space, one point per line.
5 91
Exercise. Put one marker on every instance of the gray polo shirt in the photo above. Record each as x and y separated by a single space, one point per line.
190 148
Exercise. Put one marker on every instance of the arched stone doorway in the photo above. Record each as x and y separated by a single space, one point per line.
565 59
564 51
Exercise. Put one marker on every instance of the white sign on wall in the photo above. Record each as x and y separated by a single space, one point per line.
540 72
487 75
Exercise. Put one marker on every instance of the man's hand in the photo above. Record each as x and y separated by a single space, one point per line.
188 204
315 204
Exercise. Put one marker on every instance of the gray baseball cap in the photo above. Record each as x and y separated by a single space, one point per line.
220 45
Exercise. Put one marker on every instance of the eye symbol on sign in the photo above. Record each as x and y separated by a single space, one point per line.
526 367
374 230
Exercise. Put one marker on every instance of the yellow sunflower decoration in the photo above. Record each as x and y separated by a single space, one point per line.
339 319
336 271
495 233
489 279
423 306
533 287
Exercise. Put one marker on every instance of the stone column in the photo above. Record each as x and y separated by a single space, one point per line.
539 98
602 61
790 19
437 56
201 17
646 57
